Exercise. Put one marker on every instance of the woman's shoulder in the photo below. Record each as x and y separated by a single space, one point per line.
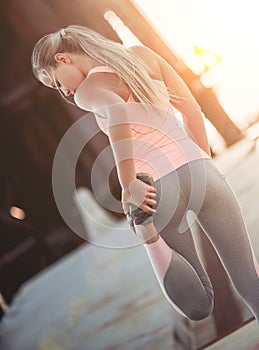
150 58
142 51
99 89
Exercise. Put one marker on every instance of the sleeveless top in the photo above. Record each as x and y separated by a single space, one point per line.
160 143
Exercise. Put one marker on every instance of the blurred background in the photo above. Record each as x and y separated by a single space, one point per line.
218 41
213 47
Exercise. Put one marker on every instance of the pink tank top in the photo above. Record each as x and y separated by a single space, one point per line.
162 149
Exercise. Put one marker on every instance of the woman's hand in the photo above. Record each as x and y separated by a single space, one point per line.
141 195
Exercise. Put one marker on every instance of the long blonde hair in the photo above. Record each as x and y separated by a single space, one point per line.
78 39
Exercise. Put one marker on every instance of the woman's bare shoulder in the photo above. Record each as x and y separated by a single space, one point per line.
100 89
150 58
143 51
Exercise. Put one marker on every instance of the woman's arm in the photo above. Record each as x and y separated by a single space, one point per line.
186 104
95 97
184 101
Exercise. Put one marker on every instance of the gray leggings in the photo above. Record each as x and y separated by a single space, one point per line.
200 187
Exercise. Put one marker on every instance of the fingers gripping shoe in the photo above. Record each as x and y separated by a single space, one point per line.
140 221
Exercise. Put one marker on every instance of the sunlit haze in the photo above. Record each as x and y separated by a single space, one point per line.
227 29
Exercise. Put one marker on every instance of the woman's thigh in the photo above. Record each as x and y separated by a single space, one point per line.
222 219
171 213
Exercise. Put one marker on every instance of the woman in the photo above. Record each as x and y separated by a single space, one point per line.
134 95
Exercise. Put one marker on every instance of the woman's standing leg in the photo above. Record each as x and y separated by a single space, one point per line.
222 220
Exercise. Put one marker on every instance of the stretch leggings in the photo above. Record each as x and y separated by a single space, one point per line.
200 187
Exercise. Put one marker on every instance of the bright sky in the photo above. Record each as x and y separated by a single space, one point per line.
227 28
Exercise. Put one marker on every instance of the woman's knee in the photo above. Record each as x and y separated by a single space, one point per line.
198 312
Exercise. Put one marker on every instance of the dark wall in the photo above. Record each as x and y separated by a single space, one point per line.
33 121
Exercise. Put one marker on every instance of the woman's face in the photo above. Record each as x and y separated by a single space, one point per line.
69 73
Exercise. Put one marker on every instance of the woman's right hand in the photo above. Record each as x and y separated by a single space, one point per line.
141 195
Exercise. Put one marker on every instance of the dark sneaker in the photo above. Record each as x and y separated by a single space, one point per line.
136 215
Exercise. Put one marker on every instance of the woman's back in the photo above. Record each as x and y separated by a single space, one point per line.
160 142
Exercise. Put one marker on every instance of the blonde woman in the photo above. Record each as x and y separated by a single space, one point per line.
134 95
